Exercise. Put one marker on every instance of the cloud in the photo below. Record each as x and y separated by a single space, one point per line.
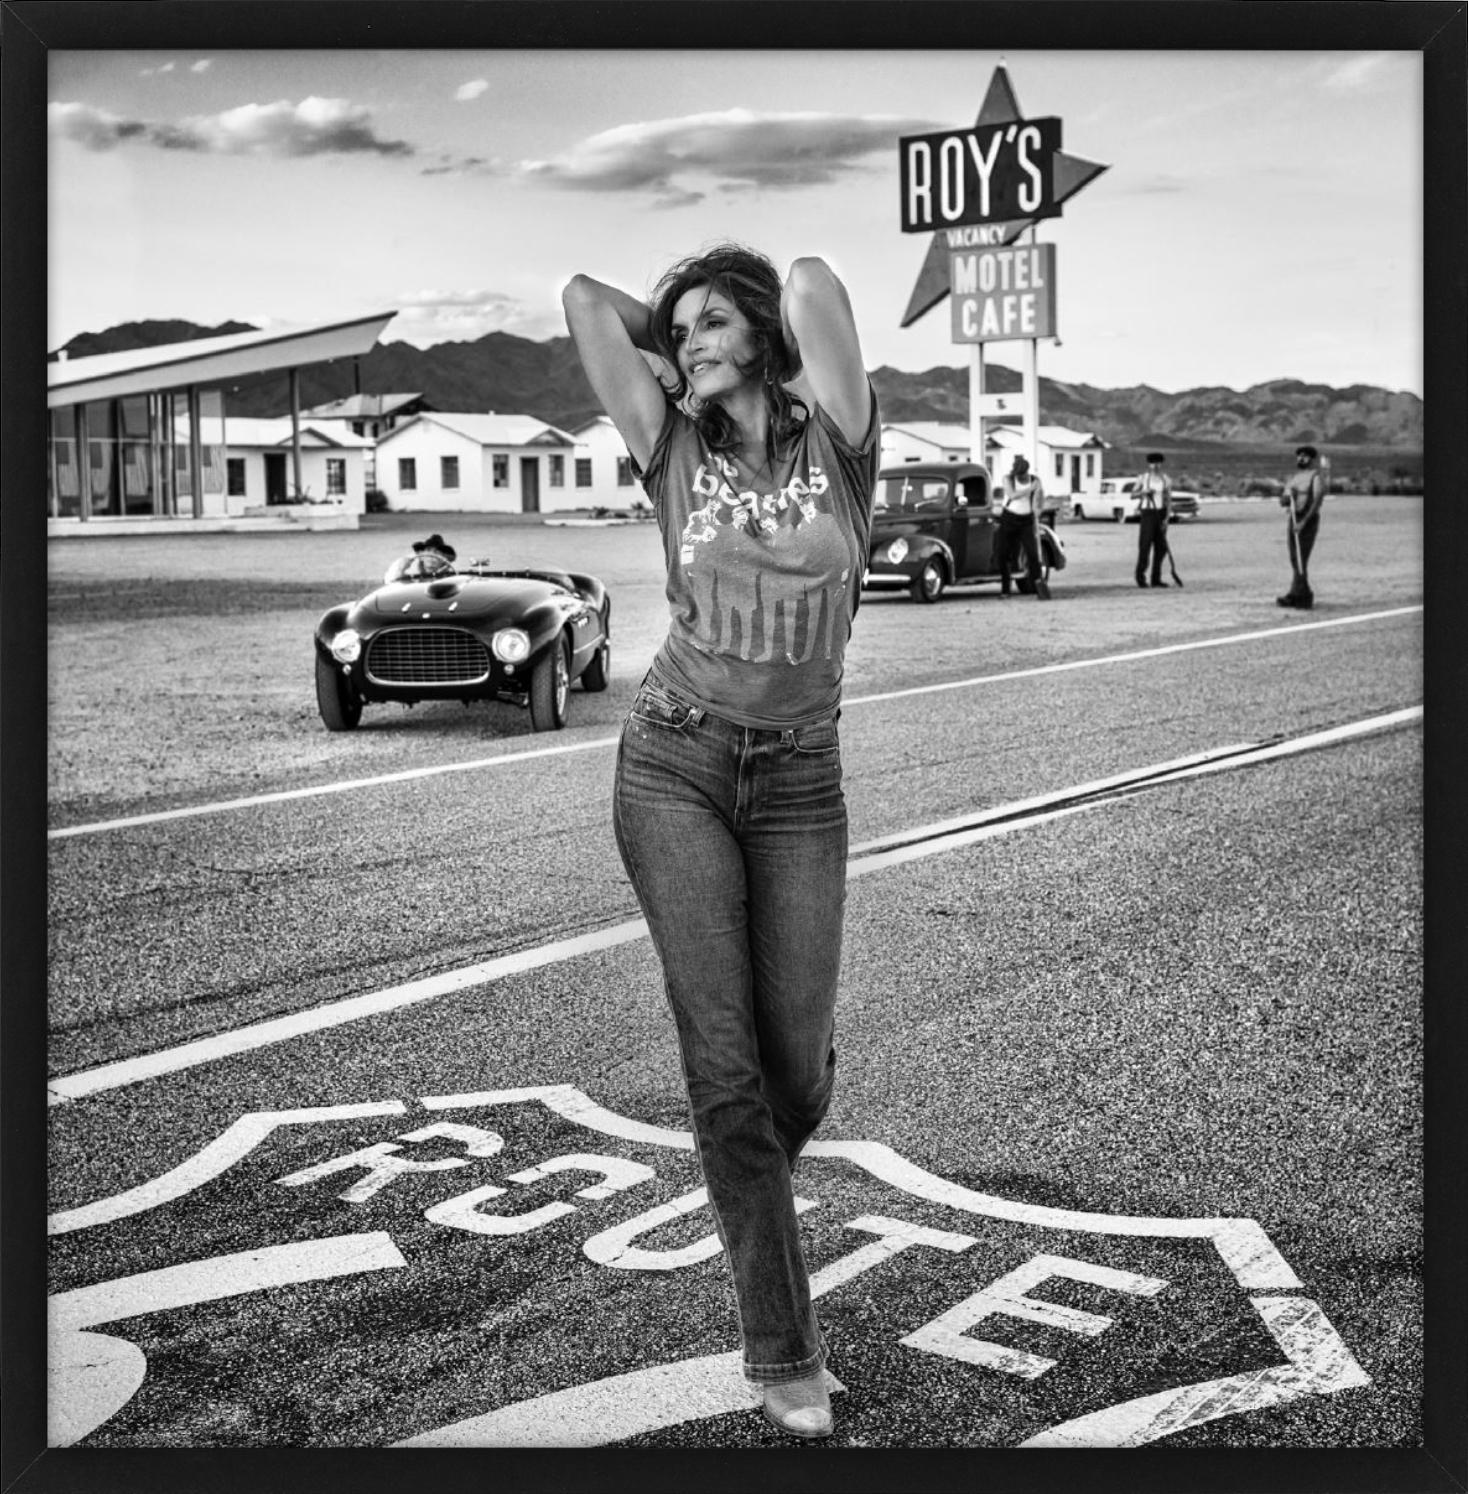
466 91
152 72
733 150
429 316
314 127
94 129
202 65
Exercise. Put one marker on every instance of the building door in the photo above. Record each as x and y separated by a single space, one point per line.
275 477
1075 474
530 484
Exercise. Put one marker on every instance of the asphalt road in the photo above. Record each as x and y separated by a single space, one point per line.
367 1124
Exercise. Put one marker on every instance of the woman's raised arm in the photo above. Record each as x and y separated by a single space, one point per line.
610 330
821 333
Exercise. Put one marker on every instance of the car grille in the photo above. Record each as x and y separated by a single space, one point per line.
427 656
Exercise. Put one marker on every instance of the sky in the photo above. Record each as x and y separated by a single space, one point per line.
1259 218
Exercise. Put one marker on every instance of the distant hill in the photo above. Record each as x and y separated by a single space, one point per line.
512 374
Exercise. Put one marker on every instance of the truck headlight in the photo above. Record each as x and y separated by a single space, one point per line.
897 551
346 646
511 645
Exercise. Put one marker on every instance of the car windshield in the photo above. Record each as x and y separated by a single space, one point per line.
426 566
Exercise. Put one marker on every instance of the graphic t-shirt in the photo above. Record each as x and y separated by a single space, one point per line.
764 570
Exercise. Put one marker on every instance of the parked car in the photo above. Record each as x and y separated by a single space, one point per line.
934 526
1118 502
437 629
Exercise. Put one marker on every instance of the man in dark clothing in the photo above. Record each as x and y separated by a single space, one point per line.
1154 506
1019 518
1303 495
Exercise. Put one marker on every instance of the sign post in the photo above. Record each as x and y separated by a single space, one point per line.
980 192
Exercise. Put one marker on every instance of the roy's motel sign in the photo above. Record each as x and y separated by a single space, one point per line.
991 173
1000 295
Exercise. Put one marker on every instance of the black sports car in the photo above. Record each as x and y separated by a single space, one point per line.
438 630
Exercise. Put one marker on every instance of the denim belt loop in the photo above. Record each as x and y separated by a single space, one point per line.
787 737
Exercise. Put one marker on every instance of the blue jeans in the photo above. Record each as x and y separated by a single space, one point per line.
735 841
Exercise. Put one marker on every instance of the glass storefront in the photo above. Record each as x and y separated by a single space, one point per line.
133 456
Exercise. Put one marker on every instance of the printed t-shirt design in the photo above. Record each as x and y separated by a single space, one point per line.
764 569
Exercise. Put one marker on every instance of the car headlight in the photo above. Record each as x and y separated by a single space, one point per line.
511 645
346 646
897 551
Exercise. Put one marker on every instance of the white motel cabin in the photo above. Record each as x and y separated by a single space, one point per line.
259 468
494 464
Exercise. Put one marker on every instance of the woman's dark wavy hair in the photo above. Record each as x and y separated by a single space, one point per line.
753 284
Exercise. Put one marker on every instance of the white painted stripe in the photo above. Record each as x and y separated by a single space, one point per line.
950 835
922 842
334 1014
345 786
611 1410
1045 801
1134 655
220 806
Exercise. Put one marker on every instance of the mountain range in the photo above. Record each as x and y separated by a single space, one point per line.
509 374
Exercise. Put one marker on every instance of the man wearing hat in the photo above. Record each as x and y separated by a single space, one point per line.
1303 495
1153 490
435 544
1019 518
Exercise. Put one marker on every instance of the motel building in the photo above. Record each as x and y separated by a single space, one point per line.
443 461
1067 462
370 415
140 441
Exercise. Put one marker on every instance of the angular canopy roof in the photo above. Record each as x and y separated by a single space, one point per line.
208 360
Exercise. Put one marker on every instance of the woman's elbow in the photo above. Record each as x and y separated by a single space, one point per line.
578 291
810 273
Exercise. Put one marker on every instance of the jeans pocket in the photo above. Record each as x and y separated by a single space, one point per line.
658 707
817 739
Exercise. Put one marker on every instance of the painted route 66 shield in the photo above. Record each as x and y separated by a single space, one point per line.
526 1268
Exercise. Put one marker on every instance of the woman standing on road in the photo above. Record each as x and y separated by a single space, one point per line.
728 808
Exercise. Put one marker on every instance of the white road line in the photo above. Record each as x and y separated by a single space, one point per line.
334 1014
220 806
610 1410
923 841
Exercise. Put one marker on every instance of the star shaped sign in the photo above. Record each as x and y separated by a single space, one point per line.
1000 107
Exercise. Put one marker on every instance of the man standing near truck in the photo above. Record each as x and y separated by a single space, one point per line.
1019 520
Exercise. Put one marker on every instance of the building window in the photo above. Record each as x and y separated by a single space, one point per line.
501 469
357 429
1060 464
408 474
1090 464
235 476
336 475
583 472
557 477
624 472
449 471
